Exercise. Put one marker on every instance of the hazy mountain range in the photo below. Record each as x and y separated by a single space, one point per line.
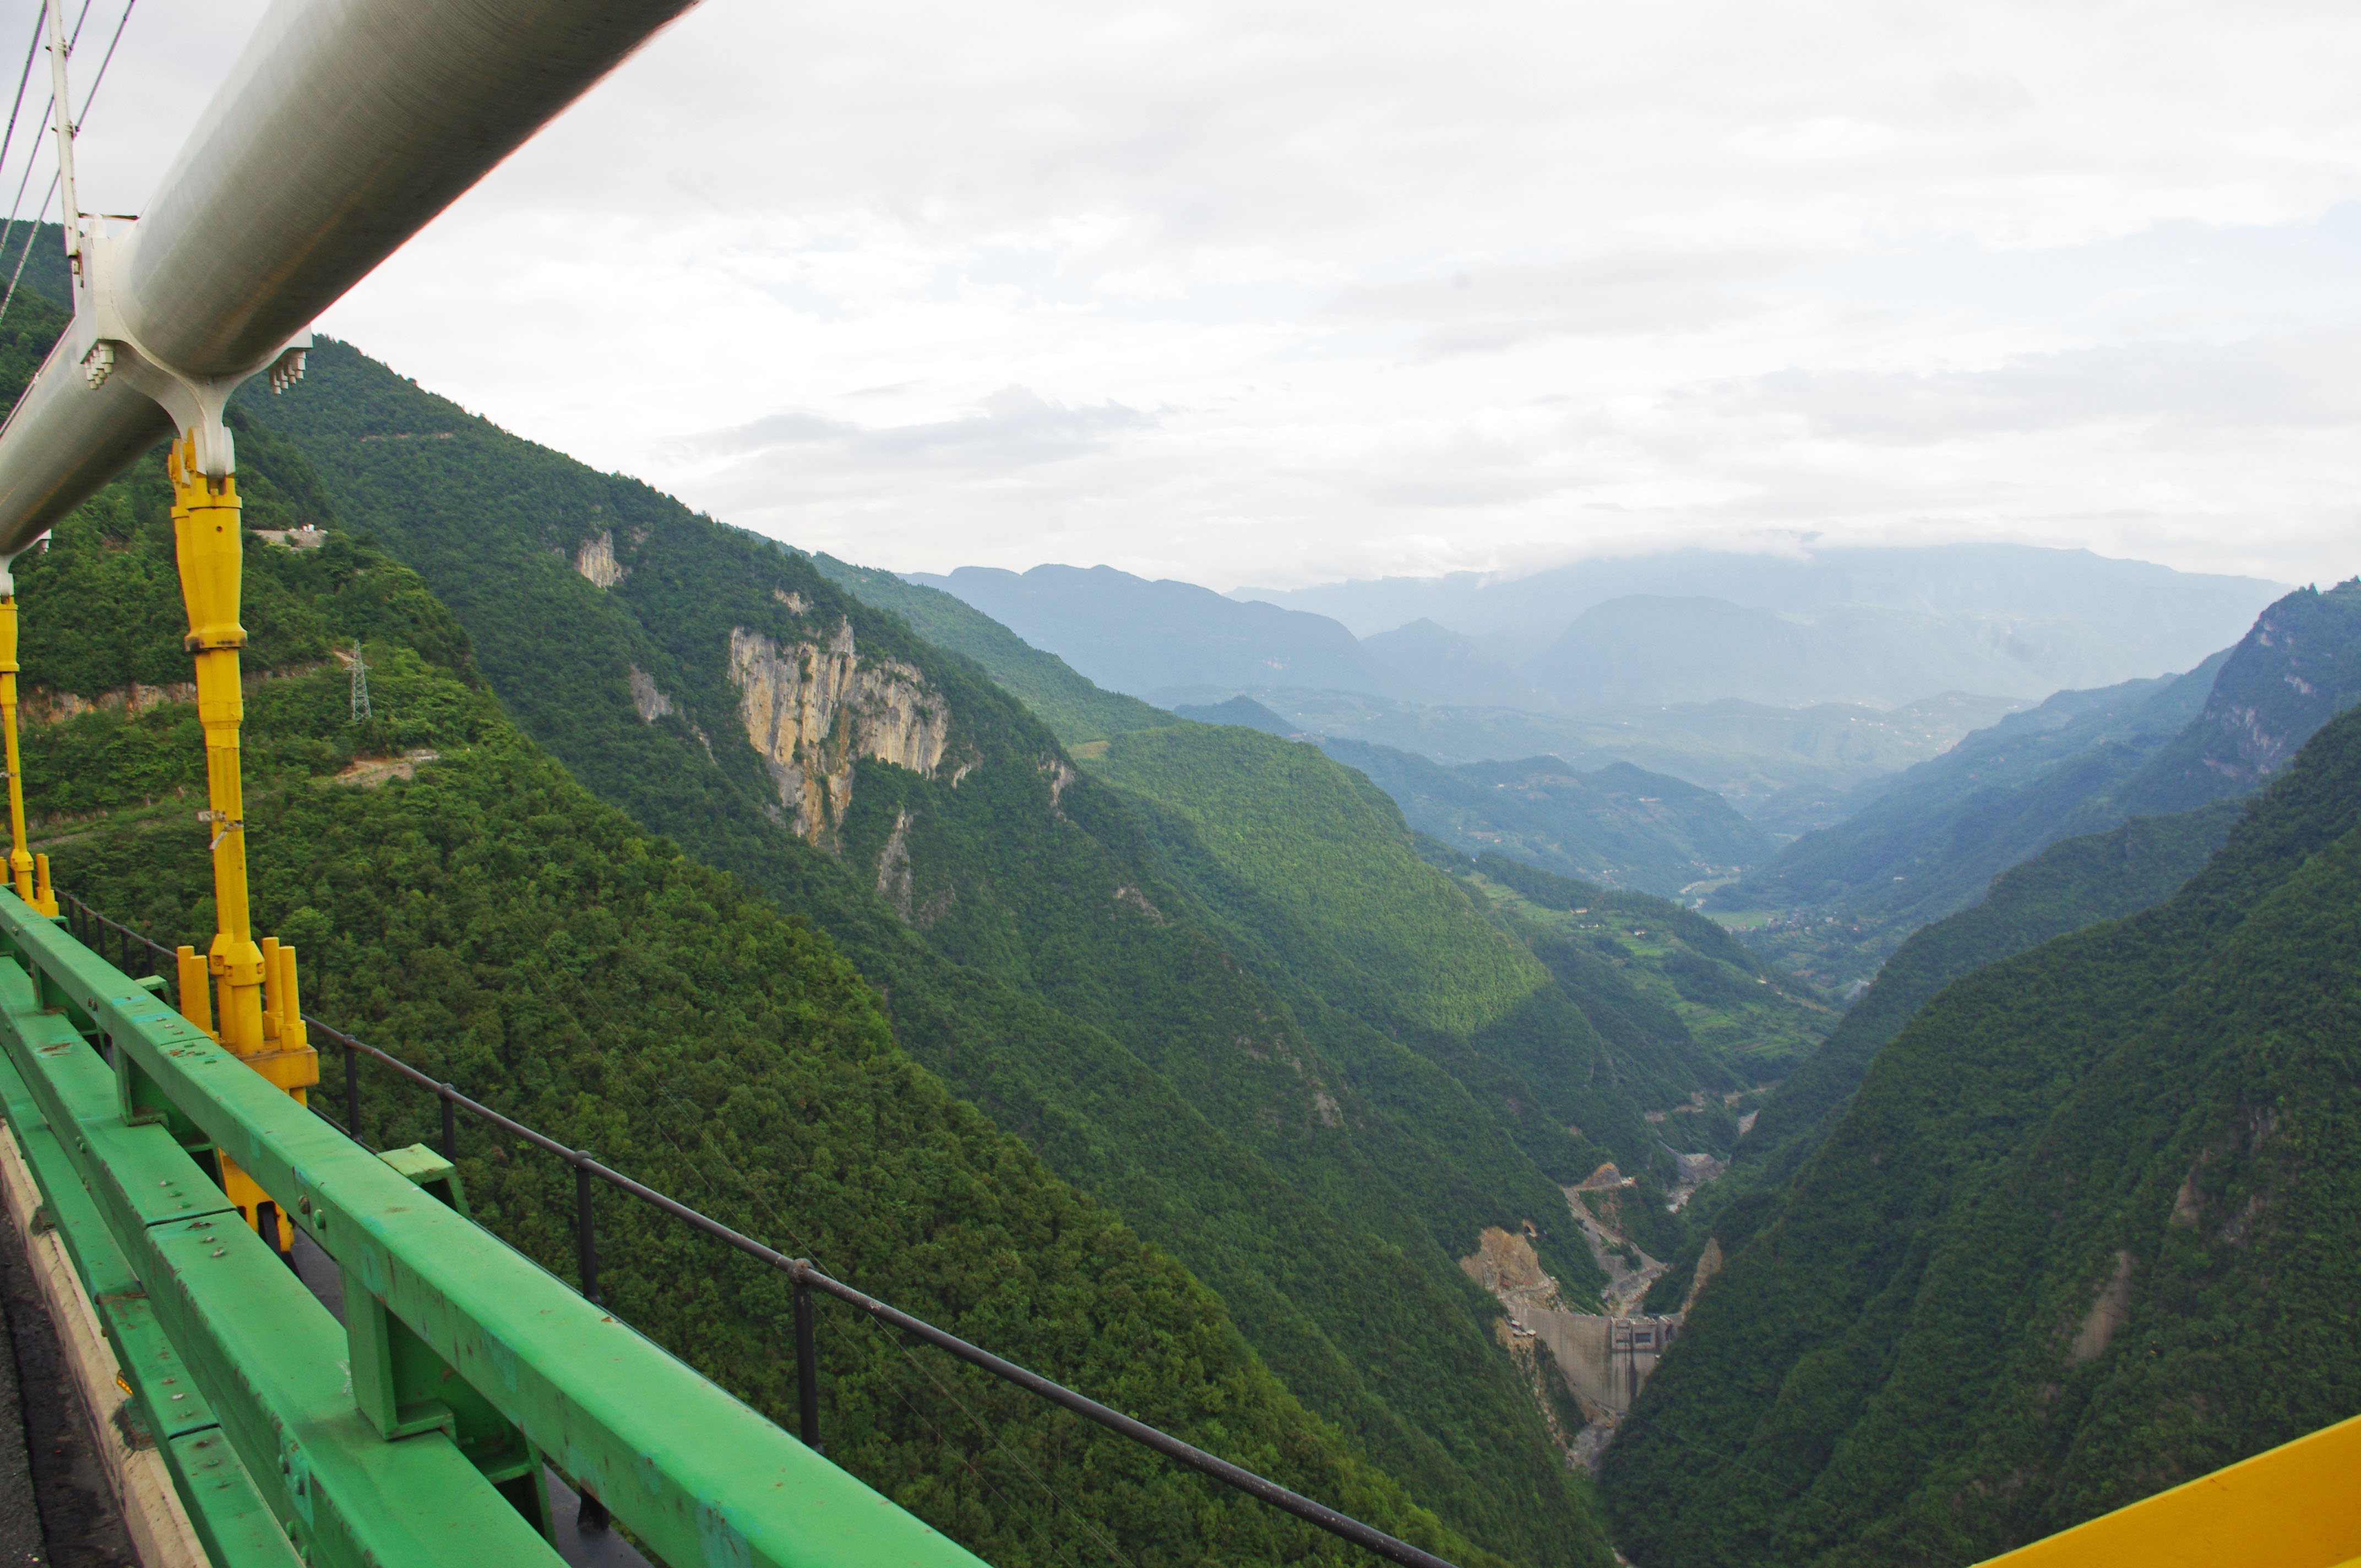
2043 604
1876 631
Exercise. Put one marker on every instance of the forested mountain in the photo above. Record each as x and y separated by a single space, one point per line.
1677 1000
2074 883
1398 969
456 895
2084 1232
1025 941
1883 628
2081 762
1619 825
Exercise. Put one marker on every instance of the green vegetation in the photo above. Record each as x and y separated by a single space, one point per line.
2069 886
1453 1015
1931 842
1618 827
2085 1231
492 922
1689 1011
1076 711
1315 839
1009 913
2078 882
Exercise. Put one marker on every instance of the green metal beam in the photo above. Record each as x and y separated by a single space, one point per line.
265 1354
697 1475
231 1519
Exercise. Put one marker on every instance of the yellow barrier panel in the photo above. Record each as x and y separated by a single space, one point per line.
2298 1505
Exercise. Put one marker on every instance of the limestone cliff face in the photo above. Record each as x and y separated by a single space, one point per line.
596 560
815 710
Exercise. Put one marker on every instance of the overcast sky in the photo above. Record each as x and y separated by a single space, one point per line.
1281 292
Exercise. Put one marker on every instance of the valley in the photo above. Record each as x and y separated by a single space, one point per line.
1470 1113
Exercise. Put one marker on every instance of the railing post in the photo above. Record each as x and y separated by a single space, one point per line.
450 1125
353 1091
586 1236
807 1370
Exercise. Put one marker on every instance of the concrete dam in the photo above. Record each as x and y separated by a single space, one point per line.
1607 1360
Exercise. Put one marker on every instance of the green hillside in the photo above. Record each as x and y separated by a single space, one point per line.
2087 1229
1617 826
2069 886
1007 909
1847 895
1450 1012
1076 711
1695 1021
2074 884
1315 839
494 923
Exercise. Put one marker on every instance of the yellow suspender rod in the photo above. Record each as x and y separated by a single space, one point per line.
255 1010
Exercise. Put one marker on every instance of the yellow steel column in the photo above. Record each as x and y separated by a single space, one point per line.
251 1015
20 859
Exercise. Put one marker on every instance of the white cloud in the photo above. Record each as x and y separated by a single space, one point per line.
1291 291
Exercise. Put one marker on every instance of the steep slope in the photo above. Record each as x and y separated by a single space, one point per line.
2074 883
1916 825
1132 635
2083 1232
2081 763
1454 1016
454 894
1619 825
724 693
2298 668
1690 1015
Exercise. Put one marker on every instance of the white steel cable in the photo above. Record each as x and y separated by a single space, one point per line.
30 235
103 61
16 109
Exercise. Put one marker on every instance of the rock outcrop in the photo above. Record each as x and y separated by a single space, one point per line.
813 710
596 560
647 698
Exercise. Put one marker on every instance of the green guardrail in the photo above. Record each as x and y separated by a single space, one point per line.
414 1433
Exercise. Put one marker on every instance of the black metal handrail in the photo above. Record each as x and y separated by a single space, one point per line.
807 1278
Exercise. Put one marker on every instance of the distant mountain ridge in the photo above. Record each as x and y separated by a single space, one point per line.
1138 637
2081 762
1880 629
2023 582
